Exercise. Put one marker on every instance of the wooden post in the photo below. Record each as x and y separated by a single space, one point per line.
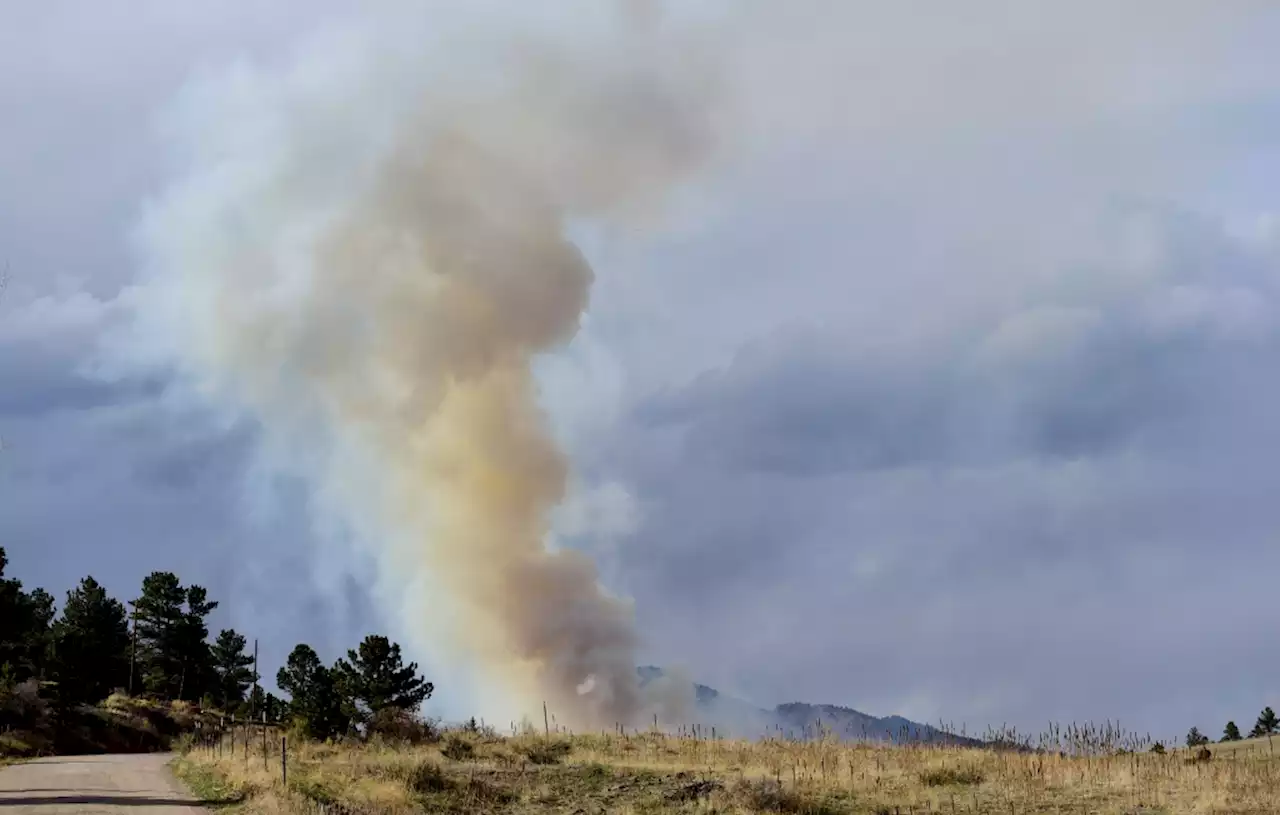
545 726
264 742
284 761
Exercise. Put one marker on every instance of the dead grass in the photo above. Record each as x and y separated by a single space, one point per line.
652 773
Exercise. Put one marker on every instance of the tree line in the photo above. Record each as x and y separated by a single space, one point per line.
1267 724
88 651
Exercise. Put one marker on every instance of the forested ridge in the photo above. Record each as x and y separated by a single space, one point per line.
55 660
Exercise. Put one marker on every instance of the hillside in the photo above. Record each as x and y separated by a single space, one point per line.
738 718
29 727
479 772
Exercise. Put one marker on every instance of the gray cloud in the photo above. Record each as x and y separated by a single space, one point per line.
948 524
1066 376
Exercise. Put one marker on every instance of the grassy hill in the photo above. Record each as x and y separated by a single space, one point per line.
29 727
651 772
1264 745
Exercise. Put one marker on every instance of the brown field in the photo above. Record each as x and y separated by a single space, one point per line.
469 772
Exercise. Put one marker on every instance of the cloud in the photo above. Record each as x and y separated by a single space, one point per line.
961 513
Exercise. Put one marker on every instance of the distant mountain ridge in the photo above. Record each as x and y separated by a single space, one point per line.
739 718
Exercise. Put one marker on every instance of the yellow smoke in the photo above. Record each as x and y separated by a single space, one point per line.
397 308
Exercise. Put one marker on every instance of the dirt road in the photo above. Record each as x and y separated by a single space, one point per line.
93 784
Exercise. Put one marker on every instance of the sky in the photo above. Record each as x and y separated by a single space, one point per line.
944 388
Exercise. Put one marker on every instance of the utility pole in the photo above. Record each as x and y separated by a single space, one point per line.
133 649
253 695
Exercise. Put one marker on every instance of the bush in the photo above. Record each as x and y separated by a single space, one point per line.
951 776
770 796
426 777
395 724
22 708
183 744
546 751
457 748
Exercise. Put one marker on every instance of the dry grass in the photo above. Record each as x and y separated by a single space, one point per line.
650 773
1264 745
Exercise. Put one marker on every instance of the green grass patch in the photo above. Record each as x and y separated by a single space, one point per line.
206 783
314 791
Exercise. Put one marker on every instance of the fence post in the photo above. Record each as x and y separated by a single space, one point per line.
265 767
284 761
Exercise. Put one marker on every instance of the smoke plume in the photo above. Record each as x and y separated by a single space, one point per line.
366 250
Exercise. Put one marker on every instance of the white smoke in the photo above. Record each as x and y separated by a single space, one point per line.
365 250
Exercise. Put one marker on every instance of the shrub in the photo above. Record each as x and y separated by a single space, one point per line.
546 751
395 724
770 796
457 748
951 776
426 777
21 706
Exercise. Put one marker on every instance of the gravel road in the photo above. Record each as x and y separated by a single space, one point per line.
94 784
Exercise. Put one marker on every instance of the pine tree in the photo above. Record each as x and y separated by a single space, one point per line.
1231 732
262 702
172 637
1195 738
232 668
90 645
315 704
375 679
1266 724
25 618
197 674
158 615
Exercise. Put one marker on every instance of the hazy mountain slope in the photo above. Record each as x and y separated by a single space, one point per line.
733 716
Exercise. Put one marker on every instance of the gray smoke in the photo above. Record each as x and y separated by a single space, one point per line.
367 255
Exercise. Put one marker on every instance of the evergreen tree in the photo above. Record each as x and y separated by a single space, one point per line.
158 615
39 638
315 704
260 702
375 679
172 637
275 707
197 671
1266 724
1231 732
25 618
90 645
232 668
1195 738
